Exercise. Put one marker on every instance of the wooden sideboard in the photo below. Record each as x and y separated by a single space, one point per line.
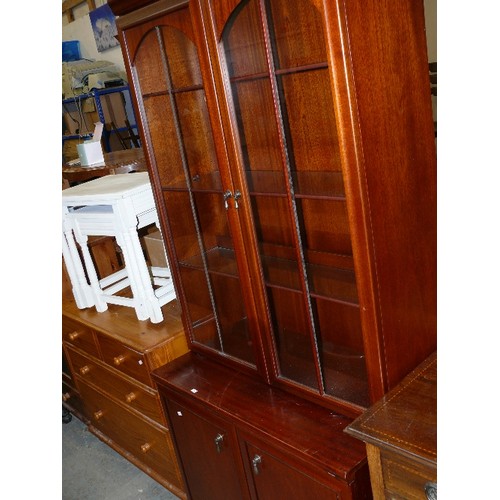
107 361
400 433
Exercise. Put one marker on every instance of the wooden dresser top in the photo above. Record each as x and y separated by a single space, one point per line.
122 324
405 419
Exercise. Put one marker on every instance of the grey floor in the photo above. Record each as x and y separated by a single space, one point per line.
91 470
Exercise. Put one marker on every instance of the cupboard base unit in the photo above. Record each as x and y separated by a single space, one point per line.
400 433
236 437
107 362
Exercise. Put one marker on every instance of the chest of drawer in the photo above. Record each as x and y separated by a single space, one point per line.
124 359
79 335
404 479
149 443
128 392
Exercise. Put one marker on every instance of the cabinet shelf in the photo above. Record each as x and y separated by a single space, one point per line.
278 71
327 283
306 184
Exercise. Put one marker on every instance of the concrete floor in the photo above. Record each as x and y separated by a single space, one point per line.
91 470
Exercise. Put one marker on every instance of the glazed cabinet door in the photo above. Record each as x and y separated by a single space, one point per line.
208 453
283 116
193 189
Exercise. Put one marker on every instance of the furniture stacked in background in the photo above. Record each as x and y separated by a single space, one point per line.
107 362
108 356
117 206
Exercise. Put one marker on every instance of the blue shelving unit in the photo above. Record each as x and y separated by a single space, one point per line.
97 95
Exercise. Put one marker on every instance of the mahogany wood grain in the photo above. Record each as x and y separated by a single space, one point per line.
288 422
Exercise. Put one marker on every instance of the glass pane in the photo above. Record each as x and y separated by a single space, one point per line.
182 58
289 145
198 141
244 42
293 343
148 64
185 159
167 154
292 23
341 351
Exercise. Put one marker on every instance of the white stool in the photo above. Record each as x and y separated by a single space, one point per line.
114 205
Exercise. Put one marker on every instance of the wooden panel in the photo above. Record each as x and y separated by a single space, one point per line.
73 402
79 335
124 390
397 176
148 443
208 453
289 422
126 360
121 323
406 478
275 478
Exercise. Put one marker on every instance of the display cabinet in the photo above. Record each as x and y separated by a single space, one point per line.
291 149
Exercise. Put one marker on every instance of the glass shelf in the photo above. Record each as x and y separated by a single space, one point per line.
306 184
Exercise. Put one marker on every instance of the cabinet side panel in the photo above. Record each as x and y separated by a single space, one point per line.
398 171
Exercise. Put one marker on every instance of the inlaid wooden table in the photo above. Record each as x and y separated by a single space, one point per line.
400 432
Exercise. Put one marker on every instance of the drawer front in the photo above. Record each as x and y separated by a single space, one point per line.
406 479
124 359
149 444
79 335
71 399
109 381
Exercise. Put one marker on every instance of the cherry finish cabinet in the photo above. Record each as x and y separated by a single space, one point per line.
291 149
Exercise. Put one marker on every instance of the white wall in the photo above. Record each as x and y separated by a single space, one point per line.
81 29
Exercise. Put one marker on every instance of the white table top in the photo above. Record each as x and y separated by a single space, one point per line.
109 188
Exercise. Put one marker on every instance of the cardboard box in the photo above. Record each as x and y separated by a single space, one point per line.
155 250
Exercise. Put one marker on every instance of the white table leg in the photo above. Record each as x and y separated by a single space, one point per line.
81 290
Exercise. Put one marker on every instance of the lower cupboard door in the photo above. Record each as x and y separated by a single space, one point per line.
208 454
273 479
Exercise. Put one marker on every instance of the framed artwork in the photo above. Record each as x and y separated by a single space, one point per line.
104 28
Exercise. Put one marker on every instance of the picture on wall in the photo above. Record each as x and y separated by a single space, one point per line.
104 28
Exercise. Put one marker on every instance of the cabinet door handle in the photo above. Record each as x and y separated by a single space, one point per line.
237 196
219 441
66 396
227 195
98 414
256 461
145 447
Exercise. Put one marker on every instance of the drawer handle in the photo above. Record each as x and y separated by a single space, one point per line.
66 396
145 447
257 460
118 360
130 397
73 335
84 370
219 441
98 414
